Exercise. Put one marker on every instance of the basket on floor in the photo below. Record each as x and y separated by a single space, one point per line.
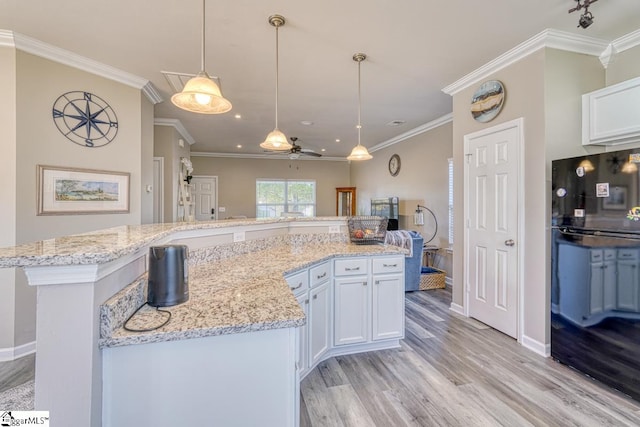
431 278
367 230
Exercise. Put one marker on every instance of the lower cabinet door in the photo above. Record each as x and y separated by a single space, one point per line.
388 307
303 341
319 321
351 310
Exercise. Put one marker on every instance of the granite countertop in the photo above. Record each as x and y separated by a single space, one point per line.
99 247
239 294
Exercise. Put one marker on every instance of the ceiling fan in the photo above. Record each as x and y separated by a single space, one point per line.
296 150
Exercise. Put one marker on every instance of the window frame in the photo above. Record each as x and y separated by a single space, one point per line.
286 205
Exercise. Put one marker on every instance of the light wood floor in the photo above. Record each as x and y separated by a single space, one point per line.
17 372
453 371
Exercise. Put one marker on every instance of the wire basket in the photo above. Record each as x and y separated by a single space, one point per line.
367 230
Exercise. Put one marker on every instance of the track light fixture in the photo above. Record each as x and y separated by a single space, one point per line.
586 19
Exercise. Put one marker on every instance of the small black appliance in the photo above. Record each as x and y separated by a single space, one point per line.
168 281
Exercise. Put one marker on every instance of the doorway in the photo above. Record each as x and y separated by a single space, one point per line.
493 190
205 194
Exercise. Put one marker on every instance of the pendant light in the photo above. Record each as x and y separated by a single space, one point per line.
276 140
359 152
201 94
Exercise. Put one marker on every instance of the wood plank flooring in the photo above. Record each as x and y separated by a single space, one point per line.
17 372
454 371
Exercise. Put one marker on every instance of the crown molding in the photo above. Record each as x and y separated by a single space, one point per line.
619 45
62 56
548 38
283 156
447 118
179 127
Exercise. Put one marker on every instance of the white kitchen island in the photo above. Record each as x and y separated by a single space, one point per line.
231 355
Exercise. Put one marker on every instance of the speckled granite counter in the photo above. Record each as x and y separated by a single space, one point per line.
244 293
102 246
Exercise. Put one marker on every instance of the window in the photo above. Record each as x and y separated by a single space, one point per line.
277 196
450 201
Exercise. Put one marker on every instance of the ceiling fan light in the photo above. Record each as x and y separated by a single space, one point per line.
276 141
359 152
202 95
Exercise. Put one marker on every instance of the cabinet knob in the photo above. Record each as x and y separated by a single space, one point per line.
377 282
306 301
364 283
315 297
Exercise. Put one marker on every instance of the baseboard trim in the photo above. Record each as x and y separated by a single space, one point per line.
457 308
13 353
536 346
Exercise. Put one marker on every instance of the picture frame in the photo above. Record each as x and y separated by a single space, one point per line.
617 198
75 191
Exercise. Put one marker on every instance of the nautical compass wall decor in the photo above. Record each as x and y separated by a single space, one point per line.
85 119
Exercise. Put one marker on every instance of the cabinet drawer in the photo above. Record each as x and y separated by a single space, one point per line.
388 265
298 282
596 255
319 273
350 266
609 254
627 254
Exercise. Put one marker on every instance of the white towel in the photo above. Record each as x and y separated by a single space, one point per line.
400 238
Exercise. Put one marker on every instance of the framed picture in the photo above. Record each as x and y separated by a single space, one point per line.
72 191
617 199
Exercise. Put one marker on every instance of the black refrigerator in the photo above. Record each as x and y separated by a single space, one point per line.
595 267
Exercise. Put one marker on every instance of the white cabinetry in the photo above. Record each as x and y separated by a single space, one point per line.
299 285
319 312
612 115
369 307
351 310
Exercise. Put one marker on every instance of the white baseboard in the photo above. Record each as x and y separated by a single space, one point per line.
457 308
13 353
536 346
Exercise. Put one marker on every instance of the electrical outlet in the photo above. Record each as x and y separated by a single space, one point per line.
222 209
238 236
333 229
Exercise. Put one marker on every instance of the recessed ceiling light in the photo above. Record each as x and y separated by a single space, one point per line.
396 123
306 122
238 116
337 140
323 149
239 146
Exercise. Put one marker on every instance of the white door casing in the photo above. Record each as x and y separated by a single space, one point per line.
205 194
493 249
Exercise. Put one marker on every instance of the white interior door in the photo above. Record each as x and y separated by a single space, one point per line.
158 189
492 186
205 194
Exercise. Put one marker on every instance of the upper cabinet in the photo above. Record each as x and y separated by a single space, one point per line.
612 115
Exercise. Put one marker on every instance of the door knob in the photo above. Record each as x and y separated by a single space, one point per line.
509 242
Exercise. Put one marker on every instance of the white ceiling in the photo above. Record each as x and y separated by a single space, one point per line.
415 48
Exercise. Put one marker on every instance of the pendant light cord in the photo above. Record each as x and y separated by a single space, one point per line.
277 74
359 103
203 41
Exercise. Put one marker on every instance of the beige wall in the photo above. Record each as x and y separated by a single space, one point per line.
625 66
146 170
237 180
167 146
38 83
423 179
8 191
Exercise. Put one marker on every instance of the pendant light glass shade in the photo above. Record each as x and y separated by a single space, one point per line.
276 140
202 94
359 152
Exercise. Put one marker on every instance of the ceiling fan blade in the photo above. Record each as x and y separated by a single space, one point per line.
311 153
